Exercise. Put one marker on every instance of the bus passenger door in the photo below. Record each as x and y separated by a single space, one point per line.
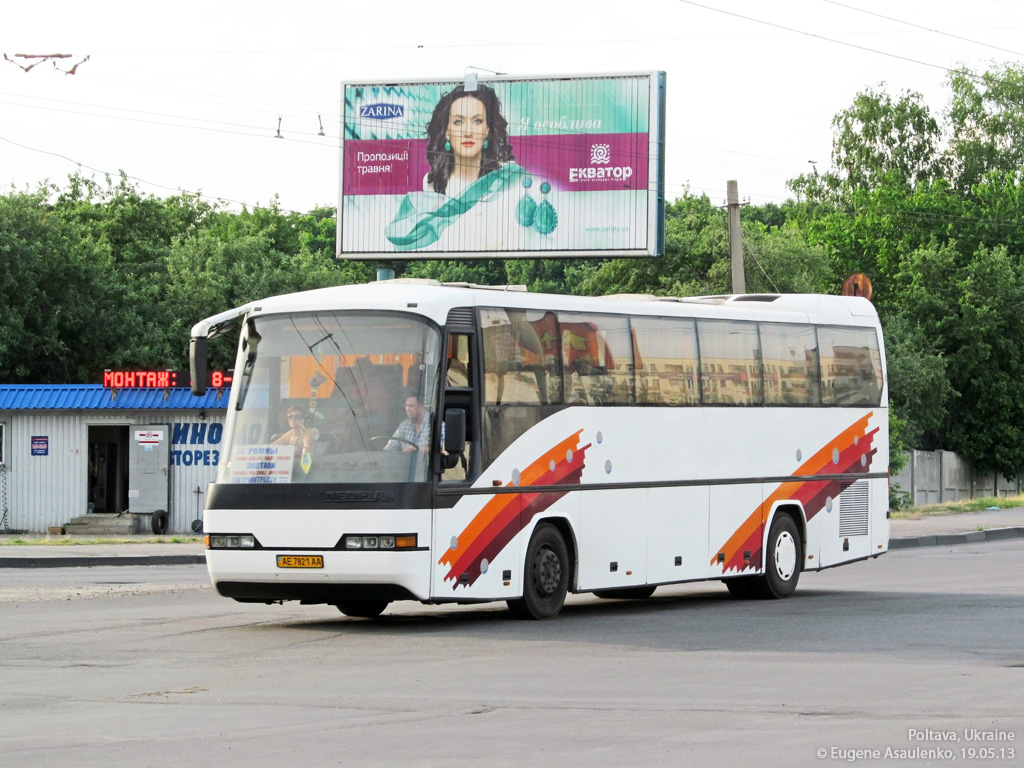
465 567
458 393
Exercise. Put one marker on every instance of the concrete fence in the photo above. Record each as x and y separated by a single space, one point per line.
935 477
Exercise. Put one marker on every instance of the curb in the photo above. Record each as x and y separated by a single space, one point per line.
86 561
946 539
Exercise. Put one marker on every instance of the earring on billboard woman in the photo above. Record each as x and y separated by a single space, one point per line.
545 219
527 206
447 146
486 143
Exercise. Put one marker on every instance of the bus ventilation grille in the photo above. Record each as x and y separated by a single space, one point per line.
853 510
463 317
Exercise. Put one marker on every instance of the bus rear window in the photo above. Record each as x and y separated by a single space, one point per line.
851 366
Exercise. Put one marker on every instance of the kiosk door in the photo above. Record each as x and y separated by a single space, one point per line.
149 476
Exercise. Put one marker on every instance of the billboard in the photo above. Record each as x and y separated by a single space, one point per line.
503 168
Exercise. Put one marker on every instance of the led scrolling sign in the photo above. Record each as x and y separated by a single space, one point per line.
162 379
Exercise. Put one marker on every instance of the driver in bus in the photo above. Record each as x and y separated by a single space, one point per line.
413 434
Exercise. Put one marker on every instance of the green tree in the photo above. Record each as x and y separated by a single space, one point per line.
209 273
963 316
986 363
919 386
134 233
986 116
878 141
696 236
54 293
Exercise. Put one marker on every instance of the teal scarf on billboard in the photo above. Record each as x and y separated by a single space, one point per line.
420 221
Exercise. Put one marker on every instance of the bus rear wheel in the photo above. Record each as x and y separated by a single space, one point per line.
362 609
782 565
784 561
546 581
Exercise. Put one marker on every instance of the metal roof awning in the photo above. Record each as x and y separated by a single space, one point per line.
14 397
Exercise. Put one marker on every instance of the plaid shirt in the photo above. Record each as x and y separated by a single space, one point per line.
407 431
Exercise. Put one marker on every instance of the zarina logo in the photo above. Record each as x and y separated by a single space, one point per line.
382 111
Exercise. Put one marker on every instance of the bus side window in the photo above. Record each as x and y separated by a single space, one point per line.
517 353
457 371
730 360
789 357
665 357
597 357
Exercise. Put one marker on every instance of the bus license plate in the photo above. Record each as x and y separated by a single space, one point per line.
300 561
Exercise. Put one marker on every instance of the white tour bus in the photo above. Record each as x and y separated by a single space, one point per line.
409 440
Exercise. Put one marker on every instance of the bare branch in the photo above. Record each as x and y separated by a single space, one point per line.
40 58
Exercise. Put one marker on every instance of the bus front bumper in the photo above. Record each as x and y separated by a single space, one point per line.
320 576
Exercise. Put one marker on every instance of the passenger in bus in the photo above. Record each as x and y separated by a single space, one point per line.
298 434
413 434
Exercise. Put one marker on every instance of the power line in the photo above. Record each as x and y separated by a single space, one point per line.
262 131
823 37
926 29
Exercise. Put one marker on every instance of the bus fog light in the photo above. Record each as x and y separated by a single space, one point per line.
353 542
369 542
232 541
386 542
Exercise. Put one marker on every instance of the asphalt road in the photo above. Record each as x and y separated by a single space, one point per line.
147 666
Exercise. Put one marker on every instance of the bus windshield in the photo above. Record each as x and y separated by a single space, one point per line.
333 397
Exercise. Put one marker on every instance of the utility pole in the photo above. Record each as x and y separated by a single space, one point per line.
739 282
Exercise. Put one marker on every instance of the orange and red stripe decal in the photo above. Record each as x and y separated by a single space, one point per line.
849 452
506 514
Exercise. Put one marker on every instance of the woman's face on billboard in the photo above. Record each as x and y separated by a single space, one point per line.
467 127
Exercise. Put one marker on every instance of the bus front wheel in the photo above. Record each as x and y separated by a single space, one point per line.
362 609
546 580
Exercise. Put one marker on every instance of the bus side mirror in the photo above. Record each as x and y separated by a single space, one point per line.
454 431
197 364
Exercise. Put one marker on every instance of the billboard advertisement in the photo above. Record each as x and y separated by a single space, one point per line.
503 168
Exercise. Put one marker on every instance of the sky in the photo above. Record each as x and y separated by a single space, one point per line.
229 99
